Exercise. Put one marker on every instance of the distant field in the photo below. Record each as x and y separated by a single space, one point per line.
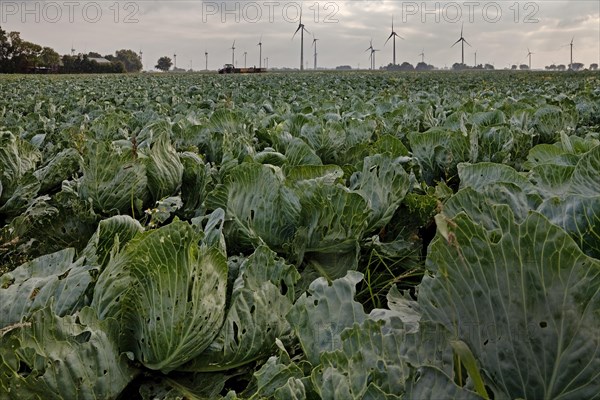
166 235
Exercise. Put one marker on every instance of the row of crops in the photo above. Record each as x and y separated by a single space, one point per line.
300 236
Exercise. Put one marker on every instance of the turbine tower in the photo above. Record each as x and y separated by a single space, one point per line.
393 36
371 53
529 53
302 29
463 41
233 53
245 58
260 52
314 43
571 44
175 60
206 60
422 54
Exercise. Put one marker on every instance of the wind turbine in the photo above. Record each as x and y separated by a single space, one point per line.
260 52
314 43
529 53
233 53
175 58
72 50
571 44
301 28
371 53
393 35
206 60
141 54
245 59
463 40
475 58
422 54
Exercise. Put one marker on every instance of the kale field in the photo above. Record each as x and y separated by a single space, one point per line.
300 236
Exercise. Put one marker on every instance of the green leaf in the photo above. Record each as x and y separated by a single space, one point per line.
523 300
549 121
383 183
73 357
438 152
332 221
431 383
164 169
256 315
480 175
319 317
194 182
259 208
54 280
167 293
585 179
113 179
17 158
274 377
112 233
62 166
369 356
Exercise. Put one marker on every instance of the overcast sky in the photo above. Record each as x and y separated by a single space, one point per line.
500 31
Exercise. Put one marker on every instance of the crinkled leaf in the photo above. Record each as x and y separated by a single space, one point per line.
438 152
261 298
524 301
586 179
54 280
111 232
383 183
22 196
62 166
319 317
114 179
332 221
478 176
73 357
369 356
164 169
258 206
17 158
431 383
168 294
194 182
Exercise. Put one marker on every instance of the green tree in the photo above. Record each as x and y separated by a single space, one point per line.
49 58
130 59
164 64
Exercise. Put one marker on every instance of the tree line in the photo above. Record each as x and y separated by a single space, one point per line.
20 56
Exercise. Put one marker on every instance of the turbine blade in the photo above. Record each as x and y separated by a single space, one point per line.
306 30
461 29
465 40
388 39
455 43
299 26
